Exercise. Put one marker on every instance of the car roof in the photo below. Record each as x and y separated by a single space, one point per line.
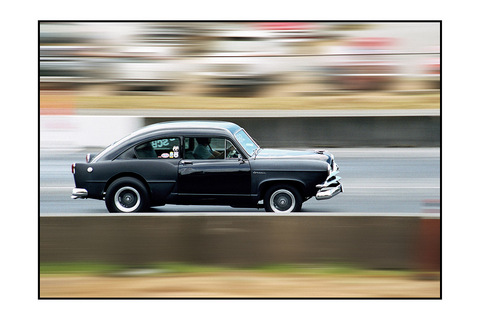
174 125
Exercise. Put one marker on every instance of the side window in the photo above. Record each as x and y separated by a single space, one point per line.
232 152
209 148
165 148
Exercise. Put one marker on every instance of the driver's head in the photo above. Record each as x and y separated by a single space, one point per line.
203 141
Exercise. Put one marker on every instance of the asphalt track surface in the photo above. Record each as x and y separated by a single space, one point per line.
376 181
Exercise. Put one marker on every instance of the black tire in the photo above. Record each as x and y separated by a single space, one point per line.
127 195
282 199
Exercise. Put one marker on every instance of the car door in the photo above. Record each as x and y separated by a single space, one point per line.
156 161
219 177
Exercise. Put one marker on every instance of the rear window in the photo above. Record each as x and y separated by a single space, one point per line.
165 148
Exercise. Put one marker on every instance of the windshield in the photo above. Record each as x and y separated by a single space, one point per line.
247 143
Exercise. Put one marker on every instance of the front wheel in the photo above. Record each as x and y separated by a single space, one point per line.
282 199
127 195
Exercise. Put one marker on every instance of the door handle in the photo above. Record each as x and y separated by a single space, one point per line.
184 162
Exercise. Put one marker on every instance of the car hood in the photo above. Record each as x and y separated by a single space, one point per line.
289 153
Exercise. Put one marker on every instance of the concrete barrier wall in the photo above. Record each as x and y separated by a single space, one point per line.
345 132
372 242
78 132
71 132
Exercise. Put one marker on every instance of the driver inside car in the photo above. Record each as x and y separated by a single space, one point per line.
204 151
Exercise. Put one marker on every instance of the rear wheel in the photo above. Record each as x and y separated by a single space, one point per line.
127 195
282 199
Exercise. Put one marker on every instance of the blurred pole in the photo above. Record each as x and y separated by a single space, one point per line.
428 251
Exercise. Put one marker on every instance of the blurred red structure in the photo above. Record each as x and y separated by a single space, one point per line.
364 64
429 245
429 241
56 103
284 25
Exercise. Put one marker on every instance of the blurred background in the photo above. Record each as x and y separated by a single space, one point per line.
370 92
238 58
156 71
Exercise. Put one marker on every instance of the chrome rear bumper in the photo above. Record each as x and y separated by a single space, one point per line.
79 193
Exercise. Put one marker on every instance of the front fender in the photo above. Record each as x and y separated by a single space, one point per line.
267 183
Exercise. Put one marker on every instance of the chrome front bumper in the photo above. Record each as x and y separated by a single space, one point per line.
329 192
331 187
79 193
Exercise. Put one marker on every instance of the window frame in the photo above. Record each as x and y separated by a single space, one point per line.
224 138
133 155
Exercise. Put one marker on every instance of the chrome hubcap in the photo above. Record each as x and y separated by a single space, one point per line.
282 201
127 199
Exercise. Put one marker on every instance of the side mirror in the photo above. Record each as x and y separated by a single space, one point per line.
240 158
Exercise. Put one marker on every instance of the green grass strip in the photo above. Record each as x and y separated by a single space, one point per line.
185 268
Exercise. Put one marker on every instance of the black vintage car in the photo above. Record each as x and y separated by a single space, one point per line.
203 162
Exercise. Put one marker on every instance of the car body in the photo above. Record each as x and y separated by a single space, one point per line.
203 162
